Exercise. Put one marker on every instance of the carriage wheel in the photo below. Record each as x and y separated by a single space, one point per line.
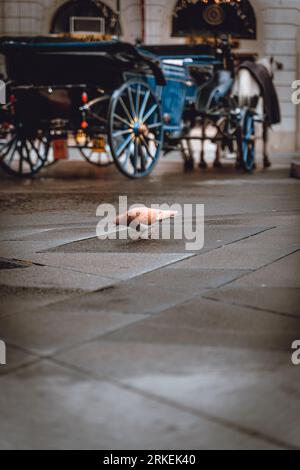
135 129
21 155
88 142
88 149
247 141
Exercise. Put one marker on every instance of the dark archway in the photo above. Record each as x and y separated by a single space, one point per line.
85 9
199 17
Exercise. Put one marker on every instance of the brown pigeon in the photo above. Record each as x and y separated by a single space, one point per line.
143 216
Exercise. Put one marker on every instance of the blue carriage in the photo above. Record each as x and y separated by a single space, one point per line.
111 101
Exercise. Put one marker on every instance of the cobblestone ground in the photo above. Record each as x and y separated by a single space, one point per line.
152 346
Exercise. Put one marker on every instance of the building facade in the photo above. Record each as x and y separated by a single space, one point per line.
277 32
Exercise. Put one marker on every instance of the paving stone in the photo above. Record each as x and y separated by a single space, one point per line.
261 382
24 250
19 232
64 410
18 299
50 277
284 300
282 273
62 235
213 237
113 265
134 358
212 323
15 358
191 280
127 297
245 254
265 403
58 326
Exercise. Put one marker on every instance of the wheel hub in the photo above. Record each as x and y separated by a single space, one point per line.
139 129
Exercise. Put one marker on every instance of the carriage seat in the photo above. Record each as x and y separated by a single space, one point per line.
211 93
200 74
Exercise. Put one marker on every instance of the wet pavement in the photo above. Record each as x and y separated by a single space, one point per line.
143 344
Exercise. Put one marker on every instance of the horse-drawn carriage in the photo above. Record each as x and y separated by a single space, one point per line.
114 102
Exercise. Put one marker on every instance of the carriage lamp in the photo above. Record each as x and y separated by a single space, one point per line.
84 97
80 138
166 118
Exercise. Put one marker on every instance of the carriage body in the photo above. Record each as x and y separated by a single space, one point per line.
59 88
110 100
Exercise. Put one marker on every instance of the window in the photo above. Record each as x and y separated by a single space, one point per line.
197 18
85 16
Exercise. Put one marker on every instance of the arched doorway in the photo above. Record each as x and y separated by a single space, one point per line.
85 16
209 18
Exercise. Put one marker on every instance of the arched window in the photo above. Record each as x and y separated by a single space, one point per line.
87 16
196 17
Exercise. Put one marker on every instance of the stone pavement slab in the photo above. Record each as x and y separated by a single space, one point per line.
113 265
16 358
190 280
283 300
92 414
130 297
281 273
214 236
58 326
19 299
212 323
51 277
262 402
245 387
245 254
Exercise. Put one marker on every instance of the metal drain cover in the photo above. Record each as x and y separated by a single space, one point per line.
9 264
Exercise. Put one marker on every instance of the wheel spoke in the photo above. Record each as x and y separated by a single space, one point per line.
137 101
123 146
147 147
9 144
126 110
143 107
20 160
131 102
135 156
122 120
28 159
149 113
154 125
143 160
13 150
123 132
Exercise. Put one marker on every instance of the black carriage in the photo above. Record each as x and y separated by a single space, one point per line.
113 102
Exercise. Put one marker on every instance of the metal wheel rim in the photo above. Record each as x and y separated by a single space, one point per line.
135 129
21 155
248 145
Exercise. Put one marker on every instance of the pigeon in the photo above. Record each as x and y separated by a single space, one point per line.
141 218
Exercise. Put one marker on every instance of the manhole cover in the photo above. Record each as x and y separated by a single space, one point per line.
9 264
